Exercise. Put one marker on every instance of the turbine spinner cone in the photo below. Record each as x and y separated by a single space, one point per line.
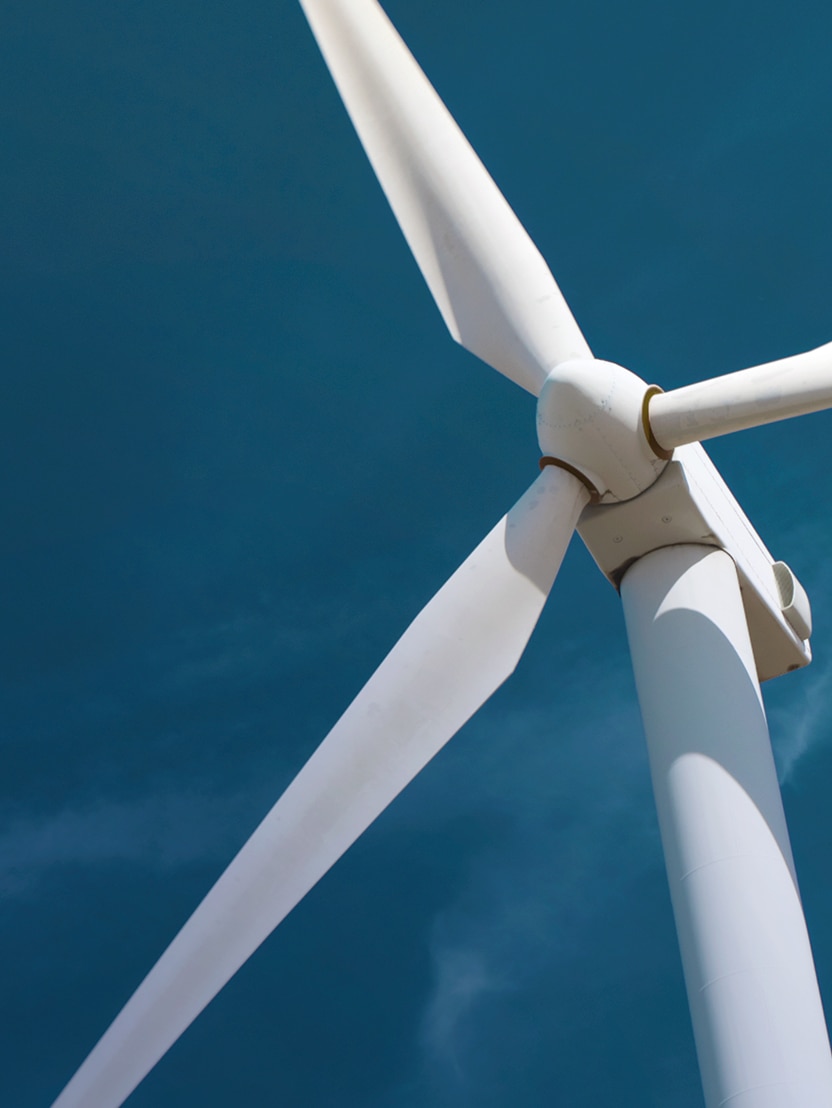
590 416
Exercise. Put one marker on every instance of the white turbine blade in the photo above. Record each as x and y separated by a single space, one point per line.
494 290
763 394
458 650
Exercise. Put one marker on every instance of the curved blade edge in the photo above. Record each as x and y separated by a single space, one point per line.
460 648
495 291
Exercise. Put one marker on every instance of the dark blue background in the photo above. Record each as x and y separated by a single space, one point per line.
239 452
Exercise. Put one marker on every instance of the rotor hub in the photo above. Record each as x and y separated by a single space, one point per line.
591 416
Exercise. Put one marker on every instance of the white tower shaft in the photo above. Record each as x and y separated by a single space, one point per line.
756 1010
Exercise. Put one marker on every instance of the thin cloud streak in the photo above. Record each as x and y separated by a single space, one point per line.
581 831
801 728
162 832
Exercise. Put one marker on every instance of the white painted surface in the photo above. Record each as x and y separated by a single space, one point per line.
589 414
757 1017
457 651
690 503
763 394
491 284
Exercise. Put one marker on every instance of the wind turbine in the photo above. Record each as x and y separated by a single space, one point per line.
708 612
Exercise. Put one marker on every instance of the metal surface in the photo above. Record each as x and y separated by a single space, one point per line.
756 1011
590 415
690 503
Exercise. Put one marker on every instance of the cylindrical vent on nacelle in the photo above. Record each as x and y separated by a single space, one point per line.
794 603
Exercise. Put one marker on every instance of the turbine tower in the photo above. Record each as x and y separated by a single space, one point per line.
709 615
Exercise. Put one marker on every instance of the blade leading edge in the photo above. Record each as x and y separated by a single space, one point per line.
457 651
491 284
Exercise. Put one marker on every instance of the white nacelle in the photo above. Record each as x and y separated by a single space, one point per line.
691 504
590 414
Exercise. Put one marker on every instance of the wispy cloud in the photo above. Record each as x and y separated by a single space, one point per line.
805 723
574 807
162 832
463 979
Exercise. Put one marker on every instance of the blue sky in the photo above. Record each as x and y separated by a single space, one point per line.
240 453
